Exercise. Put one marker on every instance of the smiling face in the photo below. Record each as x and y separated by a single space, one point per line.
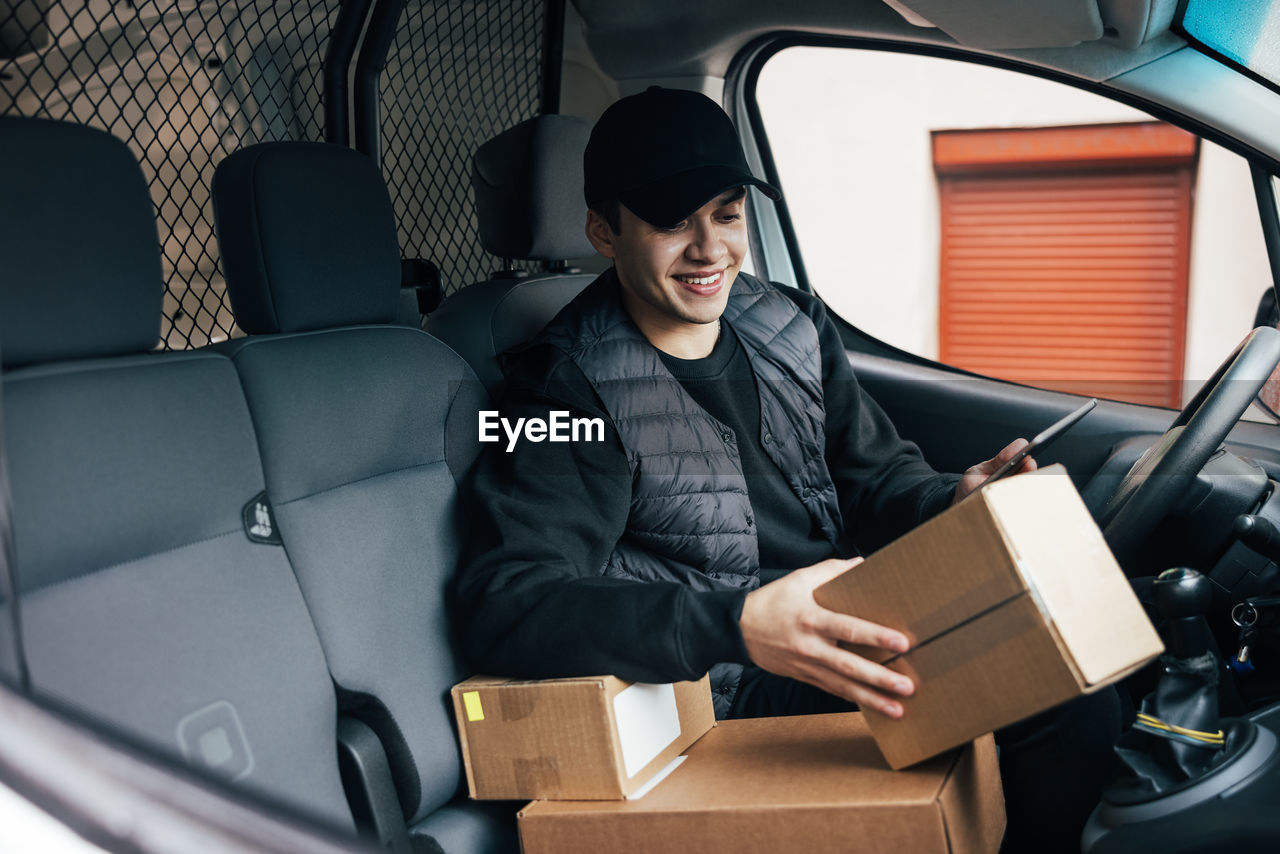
675 281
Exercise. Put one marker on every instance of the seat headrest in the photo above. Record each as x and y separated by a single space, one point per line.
80 273
528 186
307 236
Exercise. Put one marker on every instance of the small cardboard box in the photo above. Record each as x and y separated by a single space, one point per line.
586 738
814 783
1013 604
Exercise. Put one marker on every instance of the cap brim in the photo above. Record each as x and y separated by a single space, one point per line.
665 203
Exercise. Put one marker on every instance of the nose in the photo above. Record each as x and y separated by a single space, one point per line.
706 243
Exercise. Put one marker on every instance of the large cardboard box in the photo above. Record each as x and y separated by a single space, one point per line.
815 784
590 737
1013 604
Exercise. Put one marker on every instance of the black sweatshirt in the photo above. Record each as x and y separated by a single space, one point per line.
544 518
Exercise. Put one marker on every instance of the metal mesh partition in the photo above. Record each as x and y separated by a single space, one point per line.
184 84
458 73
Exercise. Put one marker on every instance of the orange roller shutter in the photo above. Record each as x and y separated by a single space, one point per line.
1064 256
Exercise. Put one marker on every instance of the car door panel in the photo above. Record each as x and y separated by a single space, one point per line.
959 419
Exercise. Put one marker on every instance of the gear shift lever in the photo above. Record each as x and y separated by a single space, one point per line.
1177 737
1183 710
1181 759
1182 597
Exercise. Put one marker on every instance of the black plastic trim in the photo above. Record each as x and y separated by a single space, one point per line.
1265 191
373 58
366 776
11 615
552 56
742 76
343 40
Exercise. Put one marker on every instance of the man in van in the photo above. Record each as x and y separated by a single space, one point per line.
740 465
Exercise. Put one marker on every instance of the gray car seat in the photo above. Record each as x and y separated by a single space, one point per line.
146 601
529 206
366 429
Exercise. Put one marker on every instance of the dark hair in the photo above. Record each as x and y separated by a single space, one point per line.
609 209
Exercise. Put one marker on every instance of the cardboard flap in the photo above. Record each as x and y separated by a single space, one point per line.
972 803
647 722
1072 575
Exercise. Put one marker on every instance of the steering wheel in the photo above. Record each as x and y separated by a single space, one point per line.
1164 473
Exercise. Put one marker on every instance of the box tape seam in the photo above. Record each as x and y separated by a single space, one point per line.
950 629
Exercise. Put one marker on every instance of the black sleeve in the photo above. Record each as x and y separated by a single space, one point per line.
884 485
543 519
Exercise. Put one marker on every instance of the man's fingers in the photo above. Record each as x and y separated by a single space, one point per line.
858 669
821 573
855 692
1010 449
787 633
842 627
1003 457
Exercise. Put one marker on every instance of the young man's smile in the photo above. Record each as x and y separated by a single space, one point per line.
703 283
676 281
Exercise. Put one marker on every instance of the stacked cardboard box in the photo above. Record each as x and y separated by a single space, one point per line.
591 754
596 737
815 784
1013 604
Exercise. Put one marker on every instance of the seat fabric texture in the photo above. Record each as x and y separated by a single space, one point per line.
144 602
366 430
529 206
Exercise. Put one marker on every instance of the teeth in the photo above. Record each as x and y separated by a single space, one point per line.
705 280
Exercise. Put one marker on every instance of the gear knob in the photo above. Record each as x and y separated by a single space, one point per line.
1182 592
1183 596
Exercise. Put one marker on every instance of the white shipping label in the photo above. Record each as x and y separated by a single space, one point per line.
648 721
656 779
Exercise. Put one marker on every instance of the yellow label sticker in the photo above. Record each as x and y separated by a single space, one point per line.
471 700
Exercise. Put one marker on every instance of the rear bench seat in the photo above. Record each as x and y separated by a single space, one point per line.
144 601
366 428
158 592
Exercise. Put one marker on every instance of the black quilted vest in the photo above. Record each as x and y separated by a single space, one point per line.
691 519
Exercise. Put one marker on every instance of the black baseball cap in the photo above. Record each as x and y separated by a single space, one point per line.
664 153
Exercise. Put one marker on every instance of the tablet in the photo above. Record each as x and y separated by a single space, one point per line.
1044 439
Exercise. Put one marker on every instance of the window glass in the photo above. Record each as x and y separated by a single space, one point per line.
1012 225
1245 32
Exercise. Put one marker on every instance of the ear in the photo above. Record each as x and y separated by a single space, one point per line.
600 234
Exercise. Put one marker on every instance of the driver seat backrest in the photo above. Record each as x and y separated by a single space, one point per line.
529 206
144 602
366 430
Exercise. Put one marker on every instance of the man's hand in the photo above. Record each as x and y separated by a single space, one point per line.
975 475
789 634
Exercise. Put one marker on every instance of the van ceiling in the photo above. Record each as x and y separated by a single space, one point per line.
677 38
